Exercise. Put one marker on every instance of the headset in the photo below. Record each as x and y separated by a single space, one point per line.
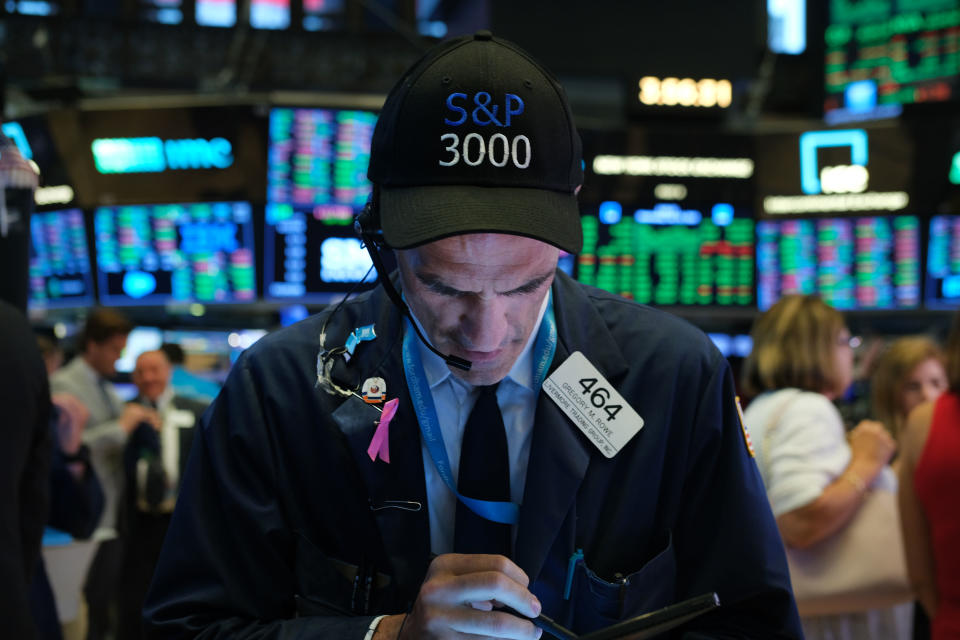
367 225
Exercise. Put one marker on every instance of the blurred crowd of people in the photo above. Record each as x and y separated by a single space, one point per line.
111 467
824 477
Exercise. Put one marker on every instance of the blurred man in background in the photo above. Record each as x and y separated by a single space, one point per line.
154 460
87 377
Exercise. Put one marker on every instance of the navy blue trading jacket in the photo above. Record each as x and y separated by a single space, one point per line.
278 531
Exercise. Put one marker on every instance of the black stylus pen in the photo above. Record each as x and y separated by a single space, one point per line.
547 624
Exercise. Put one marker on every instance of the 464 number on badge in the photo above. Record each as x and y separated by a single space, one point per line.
599 396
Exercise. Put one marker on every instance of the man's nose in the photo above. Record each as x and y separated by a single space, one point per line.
930 392
484 325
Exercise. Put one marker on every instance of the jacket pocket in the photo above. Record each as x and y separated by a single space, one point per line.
598 603
323 587
328 586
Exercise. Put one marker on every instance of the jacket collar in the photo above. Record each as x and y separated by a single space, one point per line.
559 453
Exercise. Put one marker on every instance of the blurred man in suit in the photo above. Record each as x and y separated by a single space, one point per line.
154 459
87 378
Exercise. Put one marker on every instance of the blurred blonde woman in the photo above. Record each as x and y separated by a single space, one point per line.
929 506
910 372
815 477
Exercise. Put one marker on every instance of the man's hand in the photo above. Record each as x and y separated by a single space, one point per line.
133 414
460 598
71 421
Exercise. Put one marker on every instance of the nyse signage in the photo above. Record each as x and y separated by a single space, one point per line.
154 155
836 171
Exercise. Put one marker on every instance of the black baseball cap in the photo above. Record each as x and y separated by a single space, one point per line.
477 137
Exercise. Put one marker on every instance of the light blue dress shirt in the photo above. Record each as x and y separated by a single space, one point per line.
454 399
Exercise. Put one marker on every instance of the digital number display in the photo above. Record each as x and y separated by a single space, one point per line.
669 255
60 273
156 254
851 263
685 92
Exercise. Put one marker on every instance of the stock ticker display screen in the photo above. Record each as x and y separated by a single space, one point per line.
157 254
857 263
668 255
309 254
60 274
882 52
943 263
316 183
319 157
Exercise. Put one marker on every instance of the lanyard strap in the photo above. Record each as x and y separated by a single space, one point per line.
544 348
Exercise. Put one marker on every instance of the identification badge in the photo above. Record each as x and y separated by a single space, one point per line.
593 404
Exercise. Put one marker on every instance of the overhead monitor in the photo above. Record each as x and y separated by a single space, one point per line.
885 52
855 263
162 11
269 14
943 263
60 274
323 15
176 253
319 157
216 13
669 254
311 254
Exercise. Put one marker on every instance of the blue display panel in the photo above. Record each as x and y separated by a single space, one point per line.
139 340
323 15
943 263
855 263
216 13
162 11
60 273
269 14
310 255
202 252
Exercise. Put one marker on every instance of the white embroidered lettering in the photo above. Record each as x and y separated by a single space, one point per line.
526 155
466 149
498 149
505 155
452 147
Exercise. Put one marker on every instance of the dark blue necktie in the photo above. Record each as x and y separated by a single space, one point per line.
485 475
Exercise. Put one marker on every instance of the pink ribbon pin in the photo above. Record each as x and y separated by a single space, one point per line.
380 444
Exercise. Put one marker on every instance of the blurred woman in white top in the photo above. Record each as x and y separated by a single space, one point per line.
815 475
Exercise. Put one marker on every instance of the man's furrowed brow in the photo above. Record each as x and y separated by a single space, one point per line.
435 284
529 286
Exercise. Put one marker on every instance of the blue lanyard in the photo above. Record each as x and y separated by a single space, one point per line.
543 350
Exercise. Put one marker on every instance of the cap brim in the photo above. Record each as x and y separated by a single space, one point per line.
412 216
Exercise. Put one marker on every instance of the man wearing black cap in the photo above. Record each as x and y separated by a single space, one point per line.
405 466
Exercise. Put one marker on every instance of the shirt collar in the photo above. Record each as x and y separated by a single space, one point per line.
89 371
165 398
437 371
